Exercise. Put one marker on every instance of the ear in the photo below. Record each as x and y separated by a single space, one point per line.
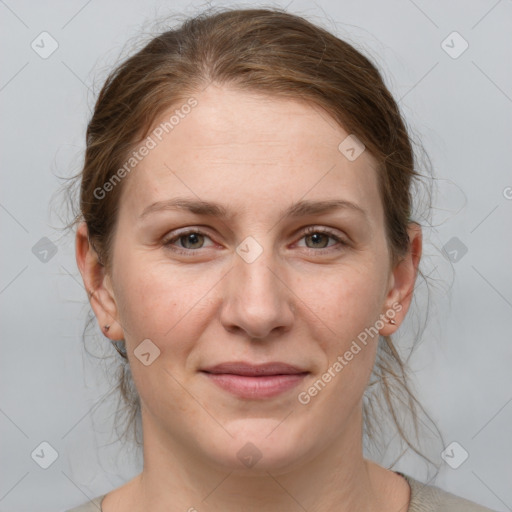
402 280
98 285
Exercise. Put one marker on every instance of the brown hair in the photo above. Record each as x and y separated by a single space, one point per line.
268 51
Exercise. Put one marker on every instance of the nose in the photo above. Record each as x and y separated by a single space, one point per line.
257 300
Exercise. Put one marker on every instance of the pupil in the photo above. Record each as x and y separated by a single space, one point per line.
316 237
191 238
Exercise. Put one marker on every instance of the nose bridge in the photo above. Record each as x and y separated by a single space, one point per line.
255 278
258 288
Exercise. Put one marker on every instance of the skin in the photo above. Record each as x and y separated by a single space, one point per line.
302 301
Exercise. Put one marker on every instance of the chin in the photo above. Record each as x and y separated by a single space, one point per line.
262 445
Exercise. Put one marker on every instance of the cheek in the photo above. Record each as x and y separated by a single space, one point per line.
346 310
159 301
349 309
345 300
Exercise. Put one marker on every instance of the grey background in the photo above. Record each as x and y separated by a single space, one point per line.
460 108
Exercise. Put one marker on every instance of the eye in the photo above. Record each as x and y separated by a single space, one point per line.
319 238
190 241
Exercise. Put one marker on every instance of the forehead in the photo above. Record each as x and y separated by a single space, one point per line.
252 152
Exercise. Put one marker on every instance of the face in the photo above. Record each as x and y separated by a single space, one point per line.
275 279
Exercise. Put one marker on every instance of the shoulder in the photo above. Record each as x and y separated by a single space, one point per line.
91 506
427 498
424 498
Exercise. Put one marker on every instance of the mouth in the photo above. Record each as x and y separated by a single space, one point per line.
249 381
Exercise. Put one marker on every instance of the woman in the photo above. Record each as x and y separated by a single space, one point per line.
246 231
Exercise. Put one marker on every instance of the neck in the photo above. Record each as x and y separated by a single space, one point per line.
336 478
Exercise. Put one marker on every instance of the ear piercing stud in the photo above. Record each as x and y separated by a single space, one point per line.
392 321
106 328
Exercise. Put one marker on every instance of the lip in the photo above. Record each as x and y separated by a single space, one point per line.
250 381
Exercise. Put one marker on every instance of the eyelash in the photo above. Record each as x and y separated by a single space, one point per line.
308 231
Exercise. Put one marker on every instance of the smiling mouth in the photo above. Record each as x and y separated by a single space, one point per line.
249 381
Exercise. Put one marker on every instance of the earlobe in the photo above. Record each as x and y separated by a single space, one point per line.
97 284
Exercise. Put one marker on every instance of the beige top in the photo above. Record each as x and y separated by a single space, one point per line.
424 498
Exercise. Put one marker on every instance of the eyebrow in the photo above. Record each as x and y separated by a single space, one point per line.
206 208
